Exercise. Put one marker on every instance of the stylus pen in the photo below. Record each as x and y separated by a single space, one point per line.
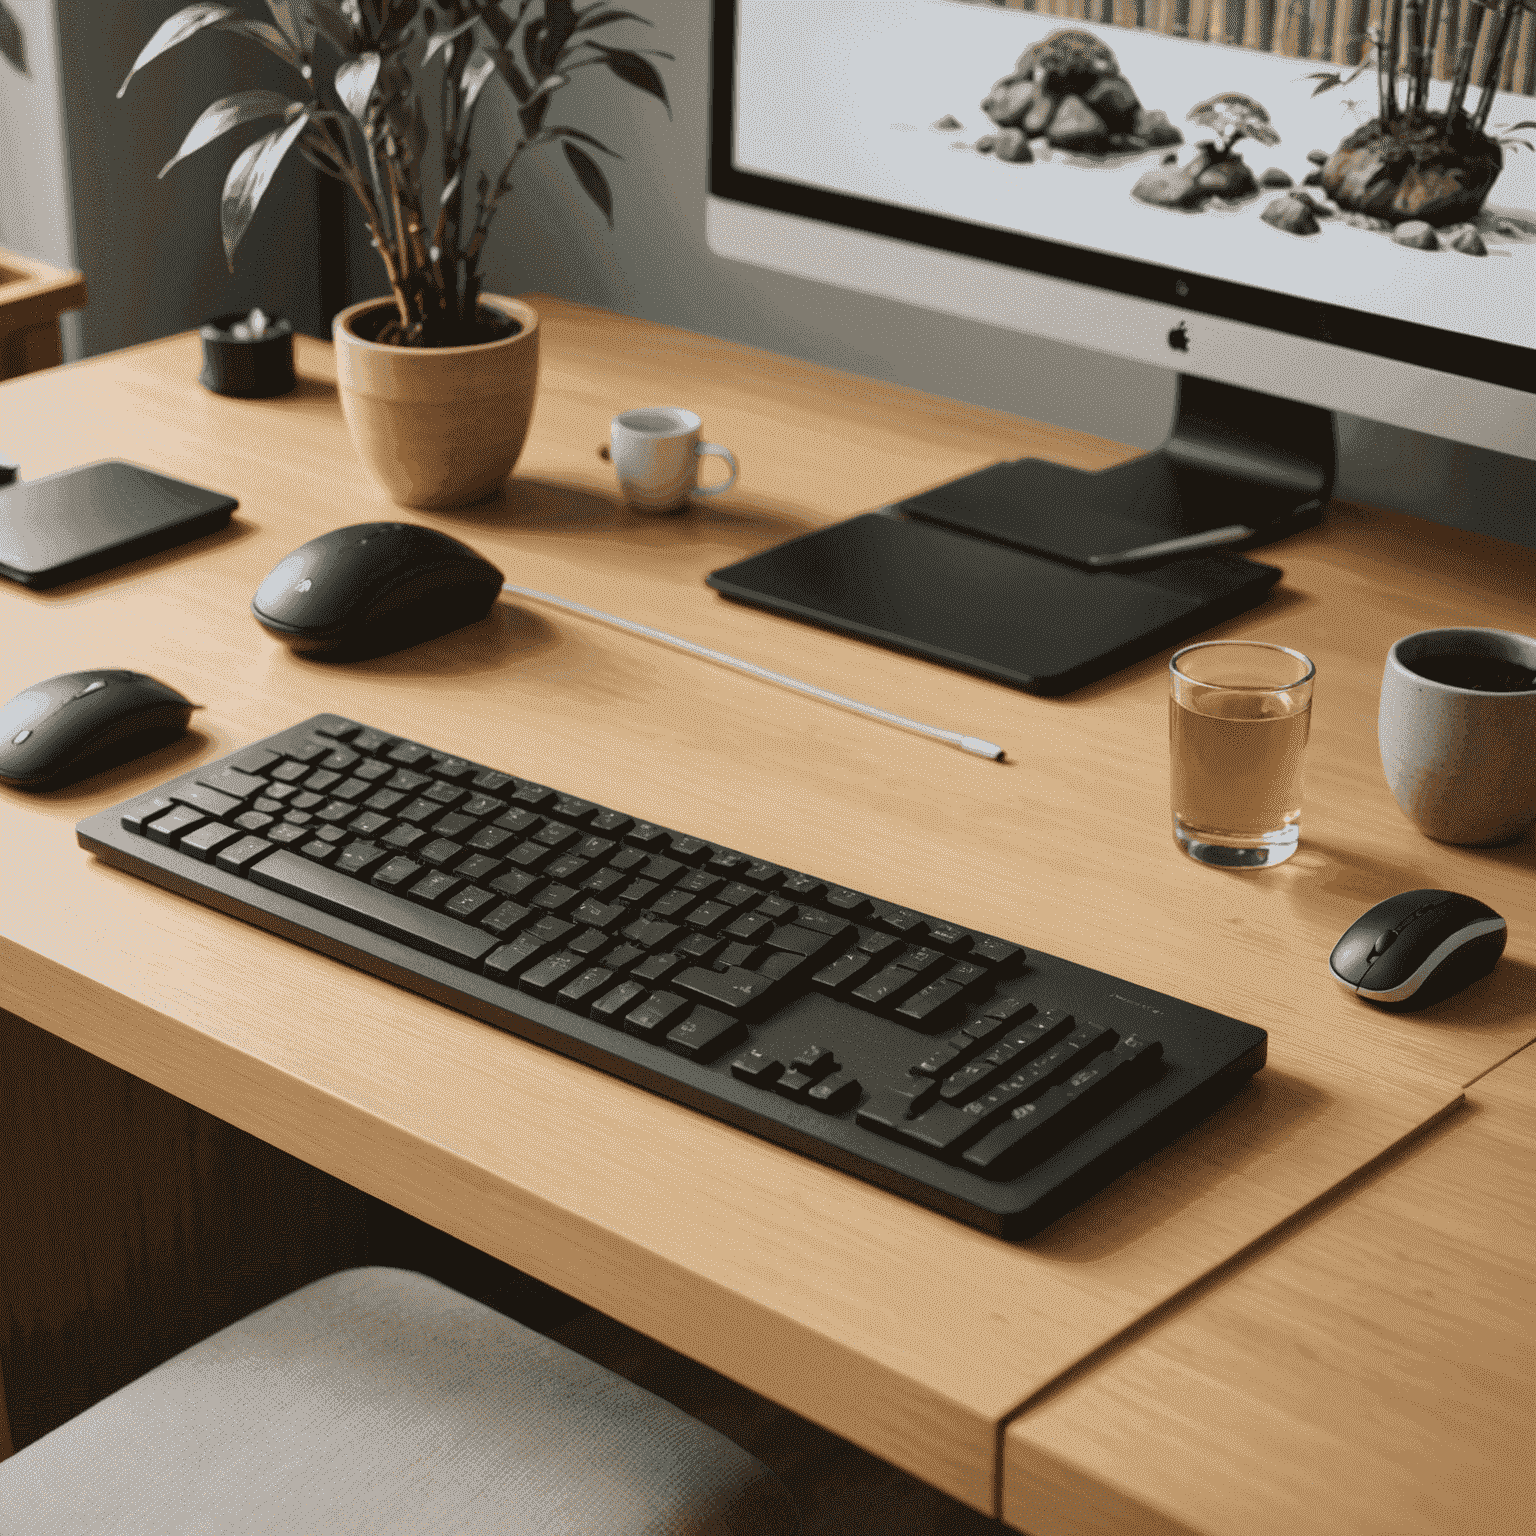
954 738
1212 538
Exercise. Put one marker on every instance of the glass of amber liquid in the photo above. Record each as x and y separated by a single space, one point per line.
1238 716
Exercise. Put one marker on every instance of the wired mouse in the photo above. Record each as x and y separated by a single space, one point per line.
374 588
1418 948
82 722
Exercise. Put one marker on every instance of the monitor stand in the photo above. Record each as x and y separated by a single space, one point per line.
1233 456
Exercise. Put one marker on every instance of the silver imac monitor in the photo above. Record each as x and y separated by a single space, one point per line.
1306 207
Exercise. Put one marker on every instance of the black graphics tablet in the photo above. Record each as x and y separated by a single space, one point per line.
1038 624
81 521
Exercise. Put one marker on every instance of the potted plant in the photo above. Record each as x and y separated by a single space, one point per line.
437 380
1409 162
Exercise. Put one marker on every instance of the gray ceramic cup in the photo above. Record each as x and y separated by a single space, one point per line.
1460 762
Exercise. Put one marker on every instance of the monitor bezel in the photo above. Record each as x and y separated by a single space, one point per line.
1404 341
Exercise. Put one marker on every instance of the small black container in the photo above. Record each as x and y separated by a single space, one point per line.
253 368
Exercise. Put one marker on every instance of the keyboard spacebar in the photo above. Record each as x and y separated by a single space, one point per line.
394 916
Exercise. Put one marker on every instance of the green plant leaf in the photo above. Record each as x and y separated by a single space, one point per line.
586 138
440 40
230 112
267 35
295 21
12 44
561 15
321 154
591 177
249 177
636 70
498 23
175 29
355 80
597 17
477 71
506 67
335 24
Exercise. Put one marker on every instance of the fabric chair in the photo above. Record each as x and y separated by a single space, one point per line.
379 1401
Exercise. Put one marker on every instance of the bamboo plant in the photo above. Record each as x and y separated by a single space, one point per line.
1403 51
13 45
369 74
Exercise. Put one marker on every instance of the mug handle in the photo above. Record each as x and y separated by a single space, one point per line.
701 449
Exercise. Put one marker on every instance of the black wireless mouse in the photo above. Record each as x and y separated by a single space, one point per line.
78 724
374 588
1418 948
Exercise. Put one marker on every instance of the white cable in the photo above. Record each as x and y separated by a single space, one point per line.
966 743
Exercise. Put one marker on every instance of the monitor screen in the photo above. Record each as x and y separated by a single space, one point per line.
1240 179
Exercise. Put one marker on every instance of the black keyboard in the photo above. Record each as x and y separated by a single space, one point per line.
998 1086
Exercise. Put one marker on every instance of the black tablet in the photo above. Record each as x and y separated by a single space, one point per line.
92 518
1040 625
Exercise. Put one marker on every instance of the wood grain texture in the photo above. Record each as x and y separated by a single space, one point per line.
1371 1375
135 1226
32 297
893 1327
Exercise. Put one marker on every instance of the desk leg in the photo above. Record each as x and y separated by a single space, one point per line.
133 1225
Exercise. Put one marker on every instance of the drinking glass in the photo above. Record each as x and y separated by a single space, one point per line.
1238 716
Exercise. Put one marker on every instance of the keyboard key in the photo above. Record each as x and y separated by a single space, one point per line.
794 1084
902 923
334 811
532 794
435 888
569 808
510 960
690 850
700 948
378 910
554 834
256 761
478 866
602 882
950 937
611 1007
169 828
230 781
707 916
481 806
594 847
205 799
397 874
285 834
656 1016
421 811
929 1007
1037 1128
589 943
342 760
334 725
545 977
817 1061
238 857
288 773
997 953
878 944
350 789
488 839
137 816
637 893
527 855
321 780
326 834
966 974
846 903
318 852
491 781
205 841
777 909
644 835
886 988
407 754
747 927
557 898
654 968
835 1095
940 1061
454 769
920 959
768 876
697 883
506 918
822 922
661 870
599 914
610 823
586 987
626 956
516 883
383 800
519 819
360 858
797 940
735 991
310 751
801 887
403 837
724 862
757 1066
453 825
780 964
672 904
371 770
736 894
843 974
705 1034
732 954
649 934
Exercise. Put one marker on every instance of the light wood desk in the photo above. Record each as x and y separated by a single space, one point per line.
907 1333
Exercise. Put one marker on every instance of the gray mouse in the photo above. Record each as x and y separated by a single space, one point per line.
1418 948
82 722
374 588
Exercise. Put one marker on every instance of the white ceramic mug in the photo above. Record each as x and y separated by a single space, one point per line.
656 453
1459 761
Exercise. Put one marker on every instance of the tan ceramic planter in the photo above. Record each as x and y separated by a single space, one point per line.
438 426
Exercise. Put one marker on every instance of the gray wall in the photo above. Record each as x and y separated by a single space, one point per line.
78 175
656 264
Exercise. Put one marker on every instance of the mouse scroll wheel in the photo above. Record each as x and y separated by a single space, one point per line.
1385 942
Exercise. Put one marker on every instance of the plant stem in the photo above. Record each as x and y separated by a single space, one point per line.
1493 62
1426 66
1387 67
1415 64
1464 57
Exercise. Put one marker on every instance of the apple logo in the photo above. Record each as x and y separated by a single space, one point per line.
1178 337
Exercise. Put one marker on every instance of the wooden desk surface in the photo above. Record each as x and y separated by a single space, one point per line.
903 1331
1374 1374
